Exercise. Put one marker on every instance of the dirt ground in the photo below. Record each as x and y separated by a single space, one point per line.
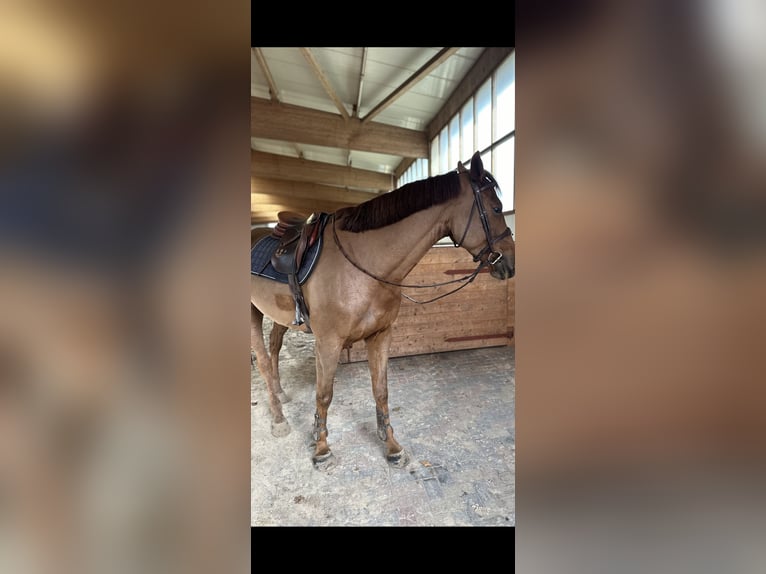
453 412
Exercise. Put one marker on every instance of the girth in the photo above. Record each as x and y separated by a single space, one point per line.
296 237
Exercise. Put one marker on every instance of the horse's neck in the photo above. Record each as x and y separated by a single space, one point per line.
391 252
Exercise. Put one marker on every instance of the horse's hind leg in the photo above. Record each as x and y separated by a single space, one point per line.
327 355
377 356
275 344
279 426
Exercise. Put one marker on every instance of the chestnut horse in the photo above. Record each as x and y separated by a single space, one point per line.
355 291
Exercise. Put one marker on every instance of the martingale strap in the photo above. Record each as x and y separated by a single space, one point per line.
467 278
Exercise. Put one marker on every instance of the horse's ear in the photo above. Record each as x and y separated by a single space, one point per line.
460 167
477 167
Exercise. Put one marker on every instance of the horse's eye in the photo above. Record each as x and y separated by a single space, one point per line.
497 209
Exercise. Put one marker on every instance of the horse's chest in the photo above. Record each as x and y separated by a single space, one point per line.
377 316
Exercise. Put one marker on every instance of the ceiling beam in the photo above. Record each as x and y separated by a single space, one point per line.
259 203
489 60
263 217
290 168
270 198
287 122
266 72
307 190
422 72
311 59
361 83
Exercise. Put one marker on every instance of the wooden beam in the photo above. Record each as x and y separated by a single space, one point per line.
266 72
290 168
422 72
307 190
489 60
264 202
286 122
265 217
308 54
271 198
361 83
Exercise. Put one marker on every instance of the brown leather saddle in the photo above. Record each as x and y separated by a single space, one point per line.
296 235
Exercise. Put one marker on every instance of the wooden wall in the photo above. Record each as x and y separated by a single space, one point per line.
479 315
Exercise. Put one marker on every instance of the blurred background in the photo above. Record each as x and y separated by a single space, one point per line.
641 317
124 362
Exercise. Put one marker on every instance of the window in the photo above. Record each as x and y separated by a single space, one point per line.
454 142
443 152
486 159
418 170
433 164
484 116
466 131
487 123
502 169
505 97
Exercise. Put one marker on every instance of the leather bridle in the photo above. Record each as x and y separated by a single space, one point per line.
493 257
479 204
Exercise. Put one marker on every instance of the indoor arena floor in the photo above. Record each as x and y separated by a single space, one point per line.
453 413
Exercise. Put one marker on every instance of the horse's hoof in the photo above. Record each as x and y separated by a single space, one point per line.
324 462
284 397
280 429
399 459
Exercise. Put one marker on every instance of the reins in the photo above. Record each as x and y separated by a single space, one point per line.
466 279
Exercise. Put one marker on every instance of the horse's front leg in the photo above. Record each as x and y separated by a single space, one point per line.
327 355
377 356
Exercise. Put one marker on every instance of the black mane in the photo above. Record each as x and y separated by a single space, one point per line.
394 206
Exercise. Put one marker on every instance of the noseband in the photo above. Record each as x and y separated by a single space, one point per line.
494 256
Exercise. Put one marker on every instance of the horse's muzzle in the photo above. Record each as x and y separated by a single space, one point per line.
502 268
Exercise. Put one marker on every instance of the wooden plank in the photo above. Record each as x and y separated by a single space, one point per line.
489 60
311 59
426 278
276 166
287 122
444 271
421 73
451 308
263 217
421 347
261 202
308 190
453 325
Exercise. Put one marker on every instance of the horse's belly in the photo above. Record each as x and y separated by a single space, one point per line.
274 301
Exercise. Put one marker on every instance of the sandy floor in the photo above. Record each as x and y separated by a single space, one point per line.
453 412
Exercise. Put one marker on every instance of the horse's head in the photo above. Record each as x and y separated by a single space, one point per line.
478 225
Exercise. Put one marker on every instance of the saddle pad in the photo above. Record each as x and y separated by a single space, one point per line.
260 260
